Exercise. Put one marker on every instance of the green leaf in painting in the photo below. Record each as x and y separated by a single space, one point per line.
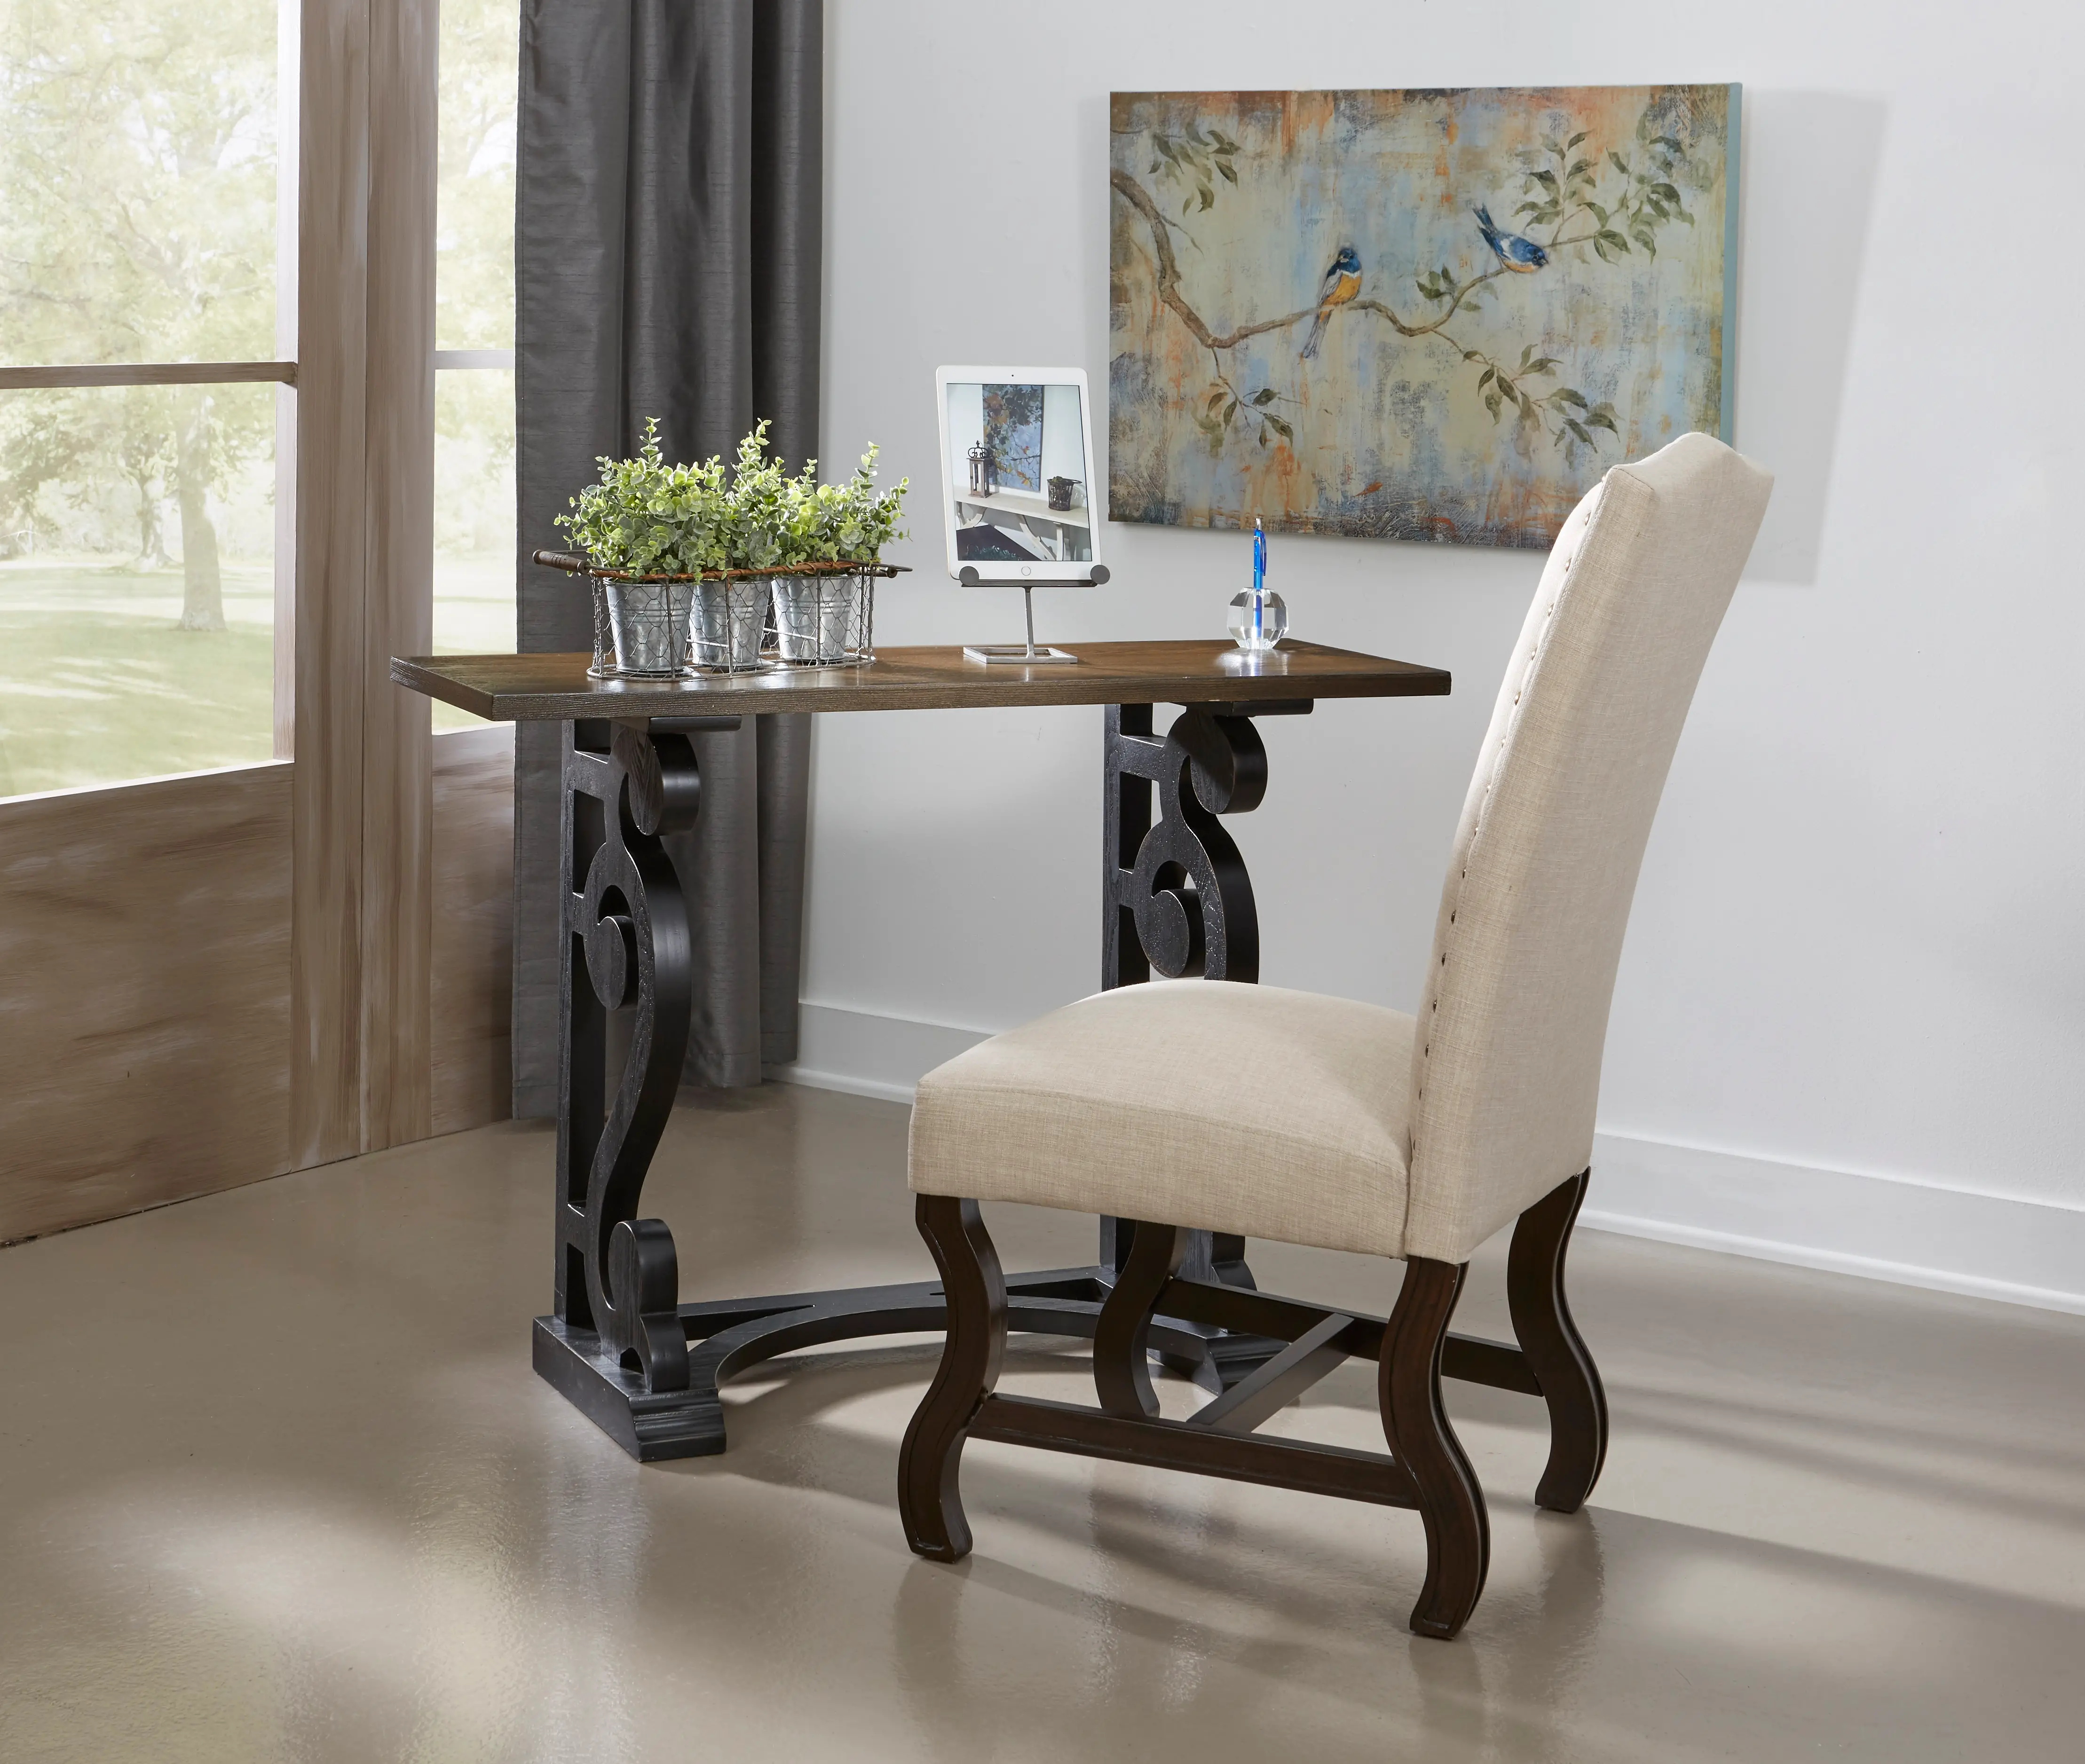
1208 198
1276 423
1264 395
1492 405
1230 411
1576 139
1621 165
1224 172
1564 395
1484 378
1579 429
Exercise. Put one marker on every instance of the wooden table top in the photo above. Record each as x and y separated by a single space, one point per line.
529 688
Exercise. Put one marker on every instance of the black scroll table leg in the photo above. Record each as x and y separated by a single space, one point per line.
614 1344
619 1345
1175 900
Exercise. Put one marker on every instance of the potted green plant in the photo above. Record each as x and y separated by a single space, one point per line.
683 555
648 530
822 610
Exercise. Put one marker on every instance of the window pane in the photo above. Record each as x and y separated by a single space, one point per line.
137 180
474 203
136 583
473 519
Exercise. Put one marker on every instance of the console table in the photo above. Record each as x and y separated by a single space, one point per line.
1174 899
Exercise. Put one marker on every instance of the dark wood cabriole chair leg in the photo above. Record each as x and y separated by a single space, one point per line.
1450 1504
1122 1334
1557 1354
930 1464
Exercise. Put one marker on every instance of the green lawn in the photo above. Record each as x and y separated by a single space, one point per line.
97 685
473 615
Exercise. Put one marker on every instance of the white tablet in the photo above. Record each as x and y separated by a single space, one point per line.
1019 506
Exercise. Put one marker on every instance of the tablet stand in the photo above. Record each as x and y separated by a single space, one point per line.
1024 655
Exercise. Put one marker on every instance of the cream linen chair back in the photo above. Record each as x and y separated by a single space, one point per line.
1506 1061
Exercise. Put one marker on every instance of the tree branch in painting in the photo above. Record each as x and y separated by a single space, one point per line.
1562 183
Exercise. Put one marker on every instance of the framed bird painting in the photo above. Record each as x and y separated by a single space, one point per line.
1433 315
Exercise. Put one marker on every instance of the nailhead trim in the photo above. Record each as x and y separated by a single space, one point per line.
1549 611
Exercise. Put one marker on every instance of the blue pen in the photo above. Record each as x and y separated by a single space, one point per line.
1258 576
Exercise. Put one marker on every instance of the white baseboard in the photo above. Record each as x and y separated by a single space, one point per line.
868 1056
1989 1246
1879 1228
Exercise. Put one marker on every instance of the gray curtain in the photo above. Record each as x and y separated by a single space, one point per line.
666 250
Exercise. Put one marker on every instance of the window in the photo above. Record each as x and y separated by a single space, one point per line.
144 188
474 520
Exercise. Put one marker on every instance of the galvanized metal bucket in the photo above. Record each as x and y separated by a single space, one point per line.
823 619
730 616
649 621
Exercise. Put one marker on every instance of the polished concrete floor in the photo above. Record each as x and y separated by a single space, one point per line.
277 1482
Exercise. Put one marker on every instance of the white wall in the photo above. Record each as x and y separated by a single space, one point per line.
1856 952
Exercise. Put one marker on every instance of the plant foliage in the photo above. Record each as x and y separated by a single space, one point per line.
651 518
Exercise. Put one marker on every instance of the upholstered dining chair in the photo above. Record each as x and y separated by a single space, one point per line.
1249 1109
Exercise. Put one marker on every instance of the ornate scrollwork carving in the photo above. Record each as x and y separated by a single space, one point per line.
626 926
1178 897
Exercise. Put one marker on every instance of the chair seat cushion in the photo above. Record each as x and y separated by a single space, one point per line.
1245 1108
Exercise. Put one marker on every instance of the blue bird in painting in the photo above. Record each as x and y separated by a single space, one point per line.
1520 255
1342 282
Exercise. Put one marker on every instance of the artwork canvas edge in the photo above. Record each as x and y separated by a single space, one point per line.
1733 155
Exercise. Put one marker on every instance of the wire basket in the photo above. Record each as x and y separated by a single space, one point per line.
729 621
